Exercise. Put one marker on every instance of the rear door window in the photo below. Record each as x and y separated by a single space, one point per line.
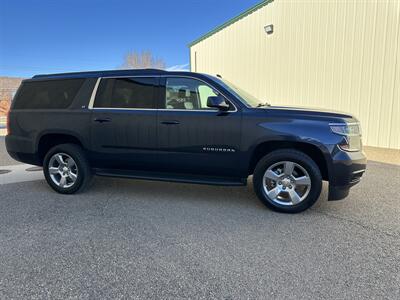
50 94
129 93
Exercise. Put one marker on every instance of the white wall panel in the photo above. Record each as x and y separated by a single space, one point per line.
341 55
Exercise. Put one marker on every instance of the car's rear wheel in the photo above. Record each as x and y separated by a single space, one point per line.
287 181
66 169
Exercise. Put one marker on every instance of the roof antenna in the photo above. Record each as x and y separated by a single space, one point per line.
219 76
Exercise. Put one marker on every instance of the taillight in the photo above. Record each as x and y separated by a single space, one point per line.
8 123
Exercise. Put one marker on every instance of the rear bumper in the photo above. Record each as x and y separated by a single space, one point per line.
22 149
347 170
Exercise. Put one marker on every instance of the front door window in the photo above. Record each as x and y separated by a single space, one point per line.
187 94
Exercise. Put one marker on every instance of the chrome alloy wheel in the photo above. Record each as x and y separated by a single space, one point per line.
63 170
286 183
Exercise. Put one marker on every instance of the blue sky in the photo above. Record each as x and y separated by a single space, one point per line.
43 36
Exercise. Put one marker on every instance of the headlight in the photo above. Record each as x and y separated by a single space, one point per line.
347 129
351 133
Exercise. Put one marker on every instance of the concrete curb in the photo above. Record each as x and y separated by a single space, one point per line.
384 155
20 173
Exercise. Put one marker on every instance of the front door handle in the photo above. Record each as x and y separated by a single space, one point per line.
102 120
171 122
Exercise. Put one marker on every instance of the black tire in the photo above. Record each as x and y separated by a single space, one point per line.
84 173
299 158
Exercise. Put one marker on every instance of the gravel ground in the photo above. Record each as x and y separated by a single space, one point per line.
152 240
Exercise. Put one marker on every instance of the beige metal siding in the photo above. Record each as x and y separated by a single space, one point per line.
341 55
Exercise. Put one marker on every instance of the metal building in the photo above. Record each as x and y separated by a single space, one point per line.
334 54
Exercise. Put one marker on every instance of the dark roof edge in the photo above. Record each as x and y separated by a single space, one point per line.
101 73
231 21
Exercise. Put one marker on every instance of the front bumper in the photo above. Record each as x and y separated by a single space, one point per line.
346 171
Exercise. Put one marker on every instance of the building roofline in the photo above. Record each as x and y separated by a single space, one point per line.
231 21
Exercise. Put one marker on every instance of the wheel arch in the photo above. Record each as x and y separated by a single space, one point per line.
315 153
51 139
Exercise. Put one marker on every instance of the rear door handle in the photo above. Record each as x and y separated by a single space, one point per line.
172 122
102 120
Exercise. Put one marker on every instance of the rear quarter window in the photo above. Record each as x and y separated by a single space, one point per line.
49 94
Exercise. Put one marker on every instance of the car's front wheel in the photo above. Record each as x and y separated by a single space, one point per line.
66 168
287 181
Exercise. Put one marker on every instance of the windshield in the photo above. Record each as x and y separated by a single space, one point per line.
244 96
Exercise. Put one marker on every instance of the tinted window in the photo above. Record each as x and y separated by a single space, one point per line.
126 93
51 94
187 93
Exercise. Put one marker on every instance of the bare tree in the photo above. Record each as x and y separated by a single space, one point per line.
143 60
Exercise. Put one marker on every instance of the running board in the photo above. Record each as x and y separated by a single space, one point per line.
172 177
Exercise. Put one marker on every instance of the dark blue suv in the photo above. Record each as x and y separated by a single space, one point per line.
185 127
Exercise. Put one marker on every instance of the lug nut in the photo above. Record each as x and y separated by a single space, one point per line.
279 182
284 187
290 186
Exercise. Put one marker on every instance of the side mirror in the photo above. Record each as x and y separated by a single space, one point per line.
218 102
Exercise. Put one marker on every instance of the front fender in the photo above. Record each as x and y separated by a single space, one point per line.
313 133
